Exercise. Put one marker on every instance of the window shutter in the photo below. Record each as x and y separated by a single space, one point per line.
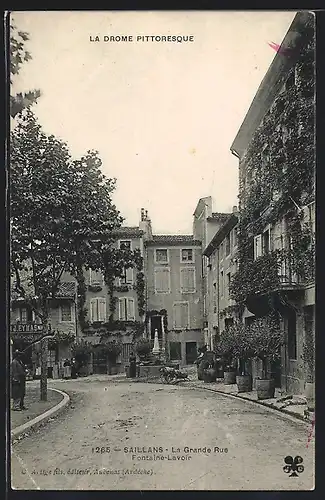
183 279
177 316
187 280
184 315
122 311
129 275
158 280
102 309
162 280
130 310
93 310
257 246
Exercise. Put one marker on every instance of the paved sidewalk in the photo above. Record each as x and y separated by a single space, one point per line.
294 405
34 406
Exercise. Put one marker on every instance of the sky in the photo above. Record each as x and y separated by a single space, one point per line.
162 115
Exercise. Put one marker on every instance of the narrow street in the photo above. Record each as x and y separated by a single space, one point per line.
92 445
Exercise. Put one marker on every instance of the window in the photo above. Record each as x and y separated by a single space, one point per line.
187 255
96 278
181 315
175 350
125 244
228 282
66 313
221 283
161 255
257 246
229 322
214 297
228 244
98 309
234 237
187 276
162 280
292 334
127 277
126 309
309 320
266 243
221 250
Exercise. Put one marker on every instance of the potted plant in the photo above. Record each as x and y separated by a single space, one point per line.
143 348
244 351
267 339
226 349
308 356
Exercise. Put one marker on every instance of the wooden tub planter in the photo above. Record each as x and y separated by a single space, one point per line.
209 375
229 377
244 383
265 388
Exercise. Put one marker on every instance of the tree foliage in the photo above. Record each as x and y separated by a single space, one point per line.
19 55
62 215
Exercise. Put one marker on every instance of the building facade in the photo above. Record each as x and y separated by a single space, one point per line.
205 225
174 282
276 152
221 253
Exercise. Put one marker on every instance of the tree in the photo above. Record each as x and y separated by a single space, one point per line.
267 339
61 214
19 55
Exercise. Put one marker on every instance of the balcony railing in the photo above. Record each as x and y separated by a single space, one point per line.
287 276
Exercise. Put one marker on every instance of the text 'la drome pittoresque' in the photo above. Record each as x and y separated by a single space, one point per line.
142 38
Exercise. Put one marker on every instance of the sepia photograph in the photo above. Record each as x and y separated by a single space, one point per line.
161 204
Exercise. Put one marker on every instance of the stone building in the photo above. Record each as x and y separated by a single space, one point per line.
173 273
221 253
276 153
205 225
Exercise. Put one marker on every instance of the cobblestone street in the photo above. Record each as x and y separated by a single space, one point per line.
91 446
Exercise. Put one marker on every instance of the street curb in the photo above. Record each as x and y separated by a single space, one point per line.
44 417
261 403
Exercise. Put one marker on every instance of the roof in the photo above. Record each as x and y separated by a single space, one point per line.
173 240
221 234
218 216
271 83
67 289
129 231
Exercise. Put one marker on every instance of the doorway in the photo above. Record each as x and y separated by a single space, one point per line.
191 352
156 325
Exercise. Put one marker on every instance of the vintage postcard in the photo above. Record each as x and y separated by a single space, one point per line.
162 248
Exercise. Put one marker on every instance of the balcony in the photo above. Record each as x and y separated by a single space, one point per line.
288 279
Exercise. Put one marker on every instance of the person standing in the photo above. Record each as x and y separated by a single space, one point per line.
18 382
133 365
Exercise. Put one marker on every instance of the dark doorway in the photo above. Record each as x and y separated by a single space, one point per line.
99 362
191 353
156 325
276 372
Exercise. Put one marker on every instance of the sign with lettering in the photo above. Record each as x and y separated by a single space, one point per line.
32 332
26 328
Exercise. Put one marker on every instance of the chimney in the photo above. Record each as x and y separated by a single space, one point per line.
234 209
145 224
